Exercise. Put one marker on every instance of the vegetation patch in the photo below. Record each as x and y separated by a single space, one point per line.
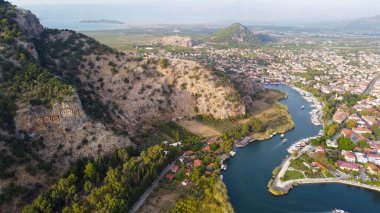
292 175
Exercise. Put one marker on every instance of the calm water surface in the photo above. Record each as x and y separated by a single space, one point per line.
250 170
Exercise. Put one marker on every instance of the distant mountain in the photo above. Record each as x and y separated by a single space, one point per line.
368 24
102 21
237 34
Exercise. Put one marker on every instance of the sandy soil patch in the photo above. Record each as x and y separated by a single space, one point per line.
199 128
162 199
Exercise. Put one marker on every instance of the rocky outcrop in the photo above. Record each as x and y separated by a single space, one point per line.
247 88
140 91
28 23
67 131
175 41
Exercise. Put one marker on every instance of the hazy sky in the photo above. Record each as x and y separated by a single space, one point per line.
192 11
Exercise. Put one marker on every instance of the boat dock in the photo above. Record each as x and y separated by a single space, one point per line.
243 142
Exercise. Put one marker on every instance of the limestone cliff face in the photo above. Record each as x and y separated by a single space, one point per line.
138 91
67 131
247 89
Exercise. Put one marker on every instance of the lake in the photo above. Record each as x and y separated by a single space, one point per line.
251 169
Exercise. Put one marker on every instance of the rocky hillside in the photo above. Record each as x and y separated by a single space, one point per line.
64 96
237 34
133 92
43 127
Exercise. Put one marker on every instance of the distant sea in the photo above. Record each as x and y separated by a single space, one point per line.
73 24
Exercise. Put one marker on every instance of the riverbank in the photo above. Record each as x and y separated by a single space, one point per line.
293 183
276 186
252 167
287 125
280 183
276 120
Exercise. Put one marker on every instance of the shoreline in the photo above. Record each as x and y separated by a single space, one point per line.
278 187
290 184
269 133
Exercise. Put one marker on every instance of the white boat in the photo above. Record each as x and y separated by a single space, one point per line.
282 135
284 140
232 153
225 167
338 211
302 107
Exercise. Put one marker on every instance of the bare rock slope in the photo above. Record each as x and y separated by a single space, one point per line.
175 41
141 91
66 129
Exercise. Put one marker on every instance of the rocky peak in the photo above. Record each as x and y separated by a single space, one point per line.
28 23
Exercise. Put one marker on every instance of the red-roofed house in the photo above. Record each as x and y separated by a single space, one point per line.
358 130
348 133
349 156
197 162
175 168
206 148
372 168
189 152
339 116
170 176
348 165
368 150
319 165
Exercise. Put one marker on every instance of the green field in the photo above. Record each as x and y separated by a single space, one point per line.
120 39
292 175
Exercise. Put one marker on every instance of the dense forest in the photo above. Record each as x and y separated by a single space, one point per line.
107 184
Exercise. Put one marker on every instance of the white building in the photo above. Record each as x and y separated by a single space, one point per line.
332 144
361 158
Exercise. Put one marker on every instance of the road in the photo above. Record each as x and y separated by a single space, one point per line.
370 85
146 194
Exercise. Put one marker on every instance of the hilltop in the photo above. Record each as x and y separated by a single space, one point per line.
237 34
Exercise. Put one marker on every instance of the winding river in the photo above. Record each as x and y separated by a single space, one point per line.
250 170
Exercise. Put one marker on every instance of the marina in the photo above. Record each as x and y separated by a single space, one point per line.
316 113
250 170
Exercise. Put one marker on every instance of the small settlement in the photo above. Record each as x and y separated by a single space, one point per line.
351 155
210 160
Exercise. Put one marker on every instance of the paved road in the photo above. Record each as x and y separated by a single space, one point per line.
370 85
146 194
